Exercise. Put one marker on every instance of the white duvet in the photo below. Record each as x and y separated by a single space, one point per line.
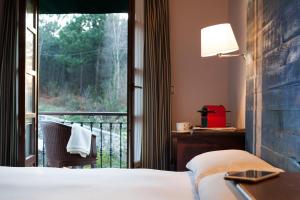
206 182
94 184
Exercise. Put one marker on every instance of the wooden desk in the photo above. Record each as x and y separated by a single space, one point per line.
284 187
189 144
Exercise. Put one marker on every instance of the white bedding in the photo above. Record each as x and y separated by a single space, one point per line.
214 187
205 181
92 184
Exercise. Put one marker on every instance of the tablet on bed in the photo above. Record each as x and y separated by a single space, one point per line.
250 175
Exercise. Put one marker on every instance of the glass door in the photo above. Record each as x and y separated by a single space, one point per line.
28 83
138 82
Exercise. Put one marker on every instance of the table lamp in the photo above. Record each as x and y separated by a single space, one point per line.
218 40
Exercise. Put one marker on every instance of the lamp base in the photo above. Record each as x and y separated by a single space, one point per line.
224 55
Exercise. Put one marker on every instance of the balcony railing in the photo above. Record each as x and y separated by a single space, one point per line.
110 129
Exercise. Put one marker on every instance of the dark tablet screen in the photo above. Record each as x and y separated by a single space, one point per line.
250 174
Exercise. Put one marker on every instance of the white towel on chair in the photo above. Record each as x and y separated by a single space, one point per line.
80 141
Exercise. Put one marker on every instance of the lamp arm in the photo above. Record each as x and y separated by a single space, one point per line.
225 55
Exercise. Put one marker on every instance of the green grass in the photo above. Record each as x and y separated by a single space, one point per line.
106 160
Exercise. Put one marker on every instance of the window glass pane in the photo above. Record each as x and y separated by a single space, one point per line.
83 62
138 123
29 137
29 92
29 51
30 18
83 67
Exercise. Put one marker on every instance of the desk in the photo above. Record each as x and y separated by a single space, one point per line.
186 145
284 187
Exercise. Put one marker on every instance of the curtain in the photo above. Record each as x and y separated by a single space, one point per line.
8 63
156 98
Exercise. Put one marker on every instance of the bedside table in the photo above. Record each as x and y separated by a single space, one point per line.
186 145
285 186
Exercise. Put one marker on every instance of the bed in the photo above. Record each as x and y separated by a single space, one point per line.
79 184
204 181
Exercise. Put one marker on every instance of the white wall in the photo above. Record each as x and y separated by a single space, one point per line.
197 81
237 11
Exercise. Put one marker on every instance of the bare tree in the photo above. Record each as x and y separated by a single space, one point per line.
115 54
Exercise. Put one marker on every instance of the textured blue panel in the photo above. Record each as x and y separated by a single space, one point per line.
290 19
249 131
283 98
280 125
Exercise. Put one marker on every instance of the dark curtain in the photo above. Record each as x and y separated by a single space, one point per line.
157 82
8 67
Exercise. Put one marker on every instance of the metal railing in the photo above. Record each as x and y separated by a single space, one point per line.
110 129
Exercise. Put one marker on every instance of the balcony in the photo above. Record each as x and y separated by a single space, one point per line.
110 129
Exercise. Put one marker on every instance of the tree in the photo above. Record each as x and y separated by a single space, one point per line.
115 56
83 61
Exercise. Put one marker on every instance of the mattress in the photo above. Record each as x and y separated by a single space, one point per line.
94 184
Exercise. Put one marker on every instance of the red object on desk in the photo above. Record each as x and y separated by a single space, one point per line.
213 116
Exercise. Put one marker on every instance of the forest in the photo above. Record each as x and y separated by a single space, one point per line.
83 62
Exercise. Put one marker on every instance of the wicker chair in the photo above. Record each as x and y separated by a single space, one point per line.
56 137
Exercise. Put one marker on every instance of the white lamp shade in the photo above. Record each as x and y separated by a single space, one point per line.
217 39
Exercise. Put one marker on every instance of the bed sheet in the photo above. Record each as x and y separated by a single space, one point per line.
94 184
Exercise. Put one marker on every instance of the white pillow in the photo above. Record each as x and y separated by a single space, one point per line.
223 161
215 187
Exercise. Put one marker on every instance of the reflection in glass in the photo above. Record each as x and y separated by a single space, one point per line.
29 92
30 19
138 123
29 51
28 138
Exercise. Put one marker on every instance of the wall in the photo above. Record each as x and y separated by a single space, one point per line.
237 11
197 81
273 82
